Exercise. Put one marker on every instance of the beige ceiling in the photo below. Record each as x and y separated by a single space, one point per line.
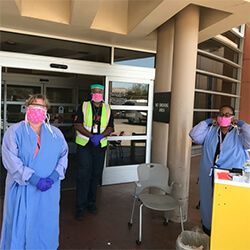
123 23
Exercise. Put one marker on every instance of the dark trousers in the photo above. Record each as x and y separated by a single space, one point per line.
89 176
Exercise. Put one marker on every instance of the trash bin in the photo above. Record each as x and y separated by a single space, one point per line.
188 240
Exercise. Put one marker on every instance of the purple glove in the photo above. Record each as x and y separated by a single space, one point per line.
96 139
44 184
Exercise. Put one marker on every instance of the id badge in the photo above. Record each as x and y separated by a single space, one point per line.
95 129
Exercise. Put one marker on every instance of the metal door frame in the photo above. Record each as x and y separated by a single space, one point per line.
128 173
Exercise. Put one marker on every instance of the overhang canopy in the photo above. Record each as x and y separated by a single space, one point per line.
123 23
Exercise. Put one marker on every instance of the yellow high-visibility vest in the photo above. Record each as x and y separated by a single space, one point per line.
88 123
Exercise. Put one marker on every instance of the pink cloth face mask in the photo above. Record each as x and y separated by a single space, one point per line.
224 121
36 115
97 97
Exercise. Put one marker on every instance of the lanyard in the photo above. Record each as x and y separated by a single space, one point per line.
222 137
217 153
96 112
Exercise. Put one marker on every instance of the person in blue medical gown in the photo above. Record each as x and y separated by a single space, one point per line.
35 155
225 142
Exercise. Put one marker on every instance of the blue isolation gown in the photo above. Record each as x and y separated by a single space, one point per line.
31 217
233 154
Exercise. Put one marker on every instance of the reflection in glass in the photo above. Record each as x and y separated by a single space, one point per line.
68 132
134 58
209 101
135 94
20 93
215 84
14 113
216 67
219 49
56 116
54 47
126 152
84 95
61 95
136 117
233 38
130 122
201 116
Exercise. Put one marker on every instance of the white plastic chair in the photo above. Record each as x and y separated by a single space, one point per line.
153 175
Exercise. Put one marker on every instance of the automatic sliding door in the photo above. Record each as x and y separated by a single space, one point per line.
130 145
65 92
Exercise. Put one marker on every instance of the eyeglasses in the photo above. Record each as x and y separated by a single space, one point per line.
37 105
225 115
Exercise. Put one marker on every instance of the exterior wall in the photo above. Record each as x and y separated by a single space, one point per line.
245 85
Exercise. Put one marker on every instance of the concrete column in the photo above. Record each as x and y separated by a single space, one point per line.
163 79
182 99
245 80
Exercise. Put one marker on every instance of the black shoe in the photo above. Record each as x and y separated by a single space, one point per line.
79 215
92 209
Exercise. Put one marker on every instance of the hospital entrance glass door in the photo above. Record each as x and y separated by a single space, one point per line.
130 144
130 100
64 92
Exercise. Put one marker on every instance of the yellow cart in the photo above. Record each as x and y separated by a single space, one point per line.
231 215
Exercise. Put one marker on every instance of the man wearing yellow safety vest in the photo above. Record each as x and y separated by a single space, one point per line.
93 122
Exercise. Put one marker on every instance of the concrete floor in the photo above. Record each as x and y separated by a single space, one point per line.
109 228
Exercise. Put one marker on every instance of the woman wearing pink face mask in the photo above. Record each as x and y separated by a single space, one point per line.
224 143
35 156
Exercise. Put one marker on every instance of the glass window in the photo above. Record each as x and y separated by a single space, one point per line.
216 67
228 49
84 95
134 58
36 45
14 113
233 38
61 114
201 116
84 92
20 93
61 95
219 49
209 101
123 93
68 132
136 116
126 152
130 122
215 84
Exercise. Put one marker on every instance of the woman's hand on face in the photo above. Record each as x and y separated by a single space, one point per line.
234 122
